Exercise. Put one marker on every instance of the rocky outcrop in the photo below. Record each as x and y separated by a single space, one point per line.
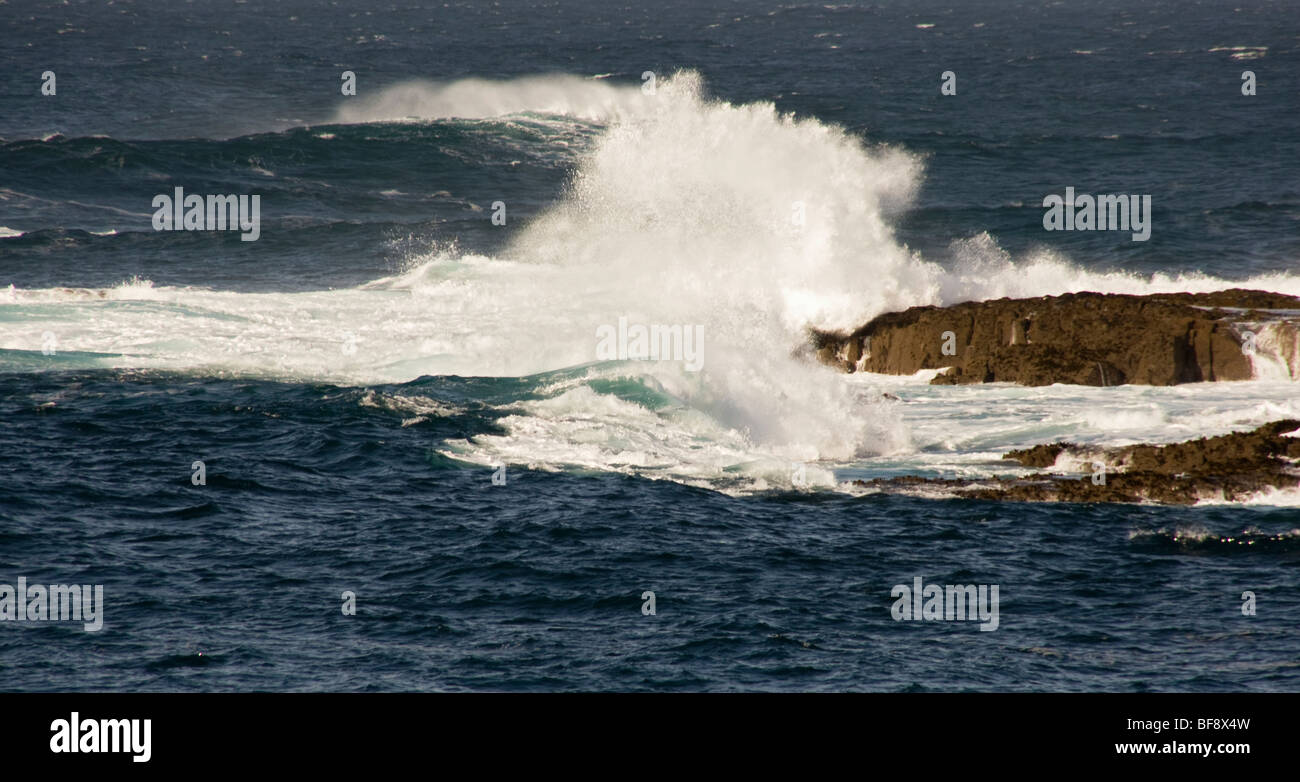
1077 338
1231 467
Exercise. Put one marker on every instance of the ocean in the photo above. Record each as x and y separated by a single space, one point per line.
373 444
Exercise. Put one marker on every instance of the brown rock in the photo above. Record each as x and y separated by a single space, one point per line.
1079 338
1232 466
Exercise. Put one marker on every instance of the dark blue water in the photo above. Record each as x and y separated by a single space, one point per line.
312 490
536 585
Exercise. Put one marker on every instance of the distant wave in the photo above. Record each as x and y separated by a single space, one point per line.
1201 540
561 94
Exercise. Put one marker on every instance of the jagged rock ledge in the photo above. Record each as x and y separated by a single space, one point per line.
1079 338
1232 467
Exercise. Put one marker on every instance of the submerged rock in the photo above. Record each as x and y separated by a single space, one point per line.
1078 338
1232 468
